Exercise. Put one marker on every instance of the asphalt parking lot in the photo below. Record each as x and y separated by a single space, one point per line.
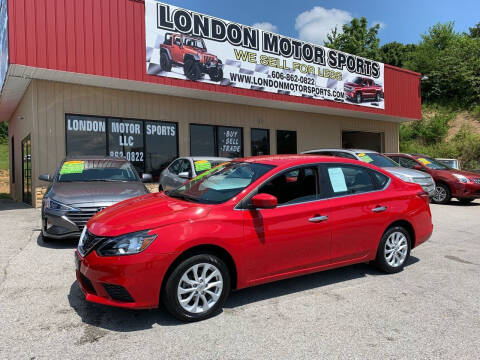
430 310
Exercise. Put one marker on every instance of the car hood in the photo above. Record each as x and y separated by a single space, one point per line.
407 172
145 213
469 174
78 193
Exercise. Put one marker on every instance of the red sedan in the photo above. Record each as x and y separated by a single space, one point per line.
245 223
450 183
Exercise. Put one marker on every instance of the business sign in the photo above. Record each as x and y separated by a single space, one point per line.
186 45
3 42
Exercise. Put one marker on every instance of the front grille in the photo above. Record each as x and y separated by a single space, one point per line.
89 243
87 284
81 217
118 293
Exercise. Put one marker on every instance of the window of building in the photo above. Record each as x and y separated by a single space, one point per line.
86 135
161 146
286 142
210 140
149 145
260 140
296 186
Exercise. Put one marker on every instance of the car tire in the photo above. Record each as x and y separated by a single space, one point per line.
377 97
442 194
191 69
466 200
358 98
394 250
165 62
194 290
216 74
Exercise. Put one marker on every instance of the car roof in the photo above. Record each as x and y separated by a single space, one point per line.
95 158
292 160
350 151
210 158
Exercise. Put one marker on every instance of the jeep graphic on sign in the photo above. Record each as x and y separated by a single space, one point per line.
191 53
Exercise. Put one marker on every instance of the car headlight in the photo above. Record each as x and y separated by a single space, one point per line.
82 237
463 179
55 205
128 244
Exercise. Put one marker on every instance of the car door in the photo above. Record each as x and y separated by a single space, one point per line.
293 236
177 49
168 181
357 209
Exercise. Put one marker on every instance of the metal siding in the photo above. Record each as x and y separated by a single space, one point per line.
107 38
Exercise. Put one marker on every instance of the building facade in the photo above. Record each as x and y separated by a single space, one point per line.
86 77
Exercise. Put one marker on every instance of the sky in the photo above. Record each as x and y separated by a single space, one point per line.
403 21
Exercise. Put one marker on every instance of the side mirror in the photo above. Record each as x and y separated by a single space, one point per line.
418 167
264 201
184 175
147 178
45 177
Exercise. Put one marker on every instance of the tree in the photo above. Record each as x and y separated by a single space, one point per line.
356 38
396 54
3 132
475 31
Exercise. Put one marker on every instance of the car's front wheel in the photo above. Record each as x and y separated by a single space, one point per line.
394 250
191 68
442 194
358 98
197 288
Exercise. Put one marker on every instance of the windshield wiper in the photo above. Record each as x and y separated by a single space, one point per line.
183 197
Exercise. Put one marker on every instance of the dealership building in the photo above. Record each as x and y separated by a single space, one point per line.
151 82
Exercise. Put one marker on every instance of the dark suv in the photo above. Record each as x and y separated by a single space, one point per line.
191 53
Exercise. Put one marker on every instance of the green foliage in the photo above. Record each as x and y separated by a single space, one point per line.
475 31
396 54
3 156
357 38
450 63
3 132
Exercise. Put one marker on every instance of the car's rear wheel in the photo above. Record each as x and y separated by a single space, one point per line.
394 250
442 194
165 62
197 288
216 74
191 68
358 98
466 200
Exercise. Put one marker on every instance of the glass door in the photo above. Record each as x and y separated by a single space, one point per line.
27 170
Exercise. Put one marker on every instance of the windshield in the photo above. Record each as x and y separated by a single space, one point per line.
358 80
220 184
432 164
96 170
198 43
204 165
377 160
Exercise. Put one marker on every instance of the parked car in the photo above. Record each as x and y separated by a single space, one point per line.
361 89
186 168
451 163
190 53
248 222
80 188
375 158
450 183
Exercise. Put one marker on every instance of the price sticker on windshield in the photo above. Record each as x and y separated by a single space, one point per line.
364 157
202 165
424 161
72 167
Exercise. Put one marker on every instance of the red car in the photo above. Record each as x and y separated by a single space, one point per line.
248 222
450 183
361 89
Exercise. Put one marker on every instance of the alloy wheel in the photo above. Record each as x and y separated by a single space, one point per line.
199 288
440 194
396 249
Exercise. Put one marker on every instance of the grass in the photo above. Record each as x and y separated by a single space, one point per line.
3 156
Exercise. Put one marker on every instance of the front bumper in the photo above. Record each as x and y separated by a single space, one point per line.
470 191
131 282
62 224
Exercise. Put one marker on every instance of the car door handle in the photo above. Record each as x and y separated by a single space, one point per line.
379 209
317 219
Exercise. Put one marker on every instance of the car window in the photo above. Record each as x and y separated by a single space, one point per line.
377 159
177 41
432 163
204 165
349 180
220 184
185 166
96 170
344 155
381 179
408 163
296 186
395 158
175 167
